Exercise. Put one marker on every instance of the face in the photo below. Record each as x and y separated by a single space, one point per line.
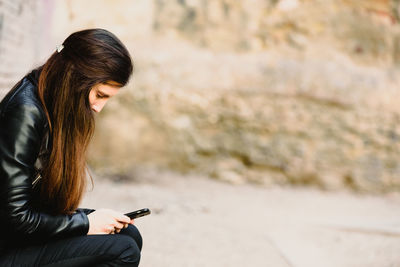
101 93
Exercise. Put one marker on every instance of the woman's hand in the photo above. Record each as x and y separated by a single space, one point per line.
106 221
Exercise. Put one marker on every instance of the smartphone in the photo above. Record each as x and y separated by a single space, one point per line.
138 213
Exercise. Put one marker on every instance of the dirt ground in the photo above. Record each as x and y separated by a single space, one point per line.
197 221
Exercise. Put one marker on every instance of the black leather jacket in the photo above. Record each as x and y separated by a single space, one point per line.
23 131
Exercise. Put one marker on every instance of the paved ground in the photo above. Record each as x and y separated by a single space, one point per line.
202 222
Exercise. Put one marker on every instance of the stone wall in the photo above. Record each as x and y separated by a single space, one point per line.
244 118
24 28
363 29
288 92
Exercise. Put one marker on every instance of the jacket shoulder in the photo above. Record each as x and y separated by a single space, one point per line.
23 98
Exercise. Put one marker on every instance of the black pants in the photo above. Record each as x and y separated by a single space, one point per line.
121 249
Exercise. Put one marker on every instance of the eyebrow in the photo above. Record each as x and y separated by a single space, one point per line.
114 84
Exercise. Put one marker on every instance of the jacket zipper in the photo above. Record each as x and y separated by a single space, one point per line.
37 178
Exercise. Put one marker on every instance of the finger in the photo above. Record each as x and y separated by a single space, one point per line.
118 225
110 229
123 218
118 230
126 225
132 221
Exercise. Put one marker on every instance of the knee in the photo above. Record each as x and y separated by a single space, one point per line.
133 232
128 252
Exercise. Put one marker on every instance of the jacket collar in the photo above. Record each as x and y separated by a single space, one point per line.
33 76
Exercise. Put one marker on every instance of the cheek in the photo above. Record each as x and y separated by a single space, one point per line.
92 99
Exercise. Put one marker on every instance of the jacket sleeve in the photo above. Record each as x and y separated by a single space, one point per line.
20 137
85 210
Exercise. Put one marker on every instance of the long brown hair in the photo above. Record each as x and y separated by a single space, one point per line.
89 57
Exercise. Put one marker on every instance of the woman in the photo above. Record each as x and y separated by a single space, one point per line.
46 122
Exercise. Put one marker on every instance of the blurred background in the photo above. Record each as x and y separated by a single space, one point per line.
272 97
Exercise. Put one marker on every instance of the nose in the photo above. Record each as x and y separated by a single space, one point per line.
98 107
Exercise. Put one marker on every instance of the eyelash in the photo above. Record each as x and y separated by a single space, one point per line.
100 96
